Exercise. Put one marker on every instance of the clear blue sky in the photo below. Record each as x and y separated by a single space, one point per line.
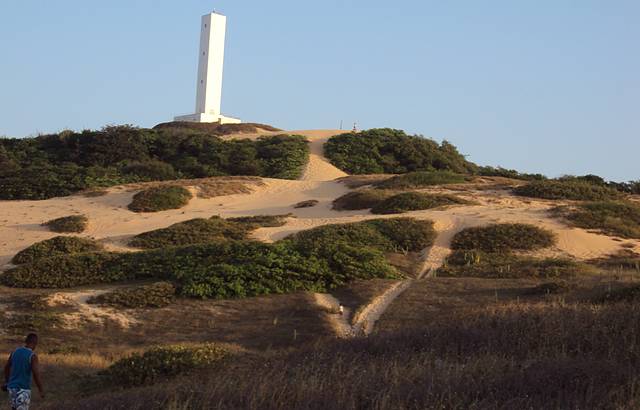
549 86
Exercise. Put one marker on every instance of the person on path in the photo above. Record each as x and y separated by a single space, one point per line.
21 366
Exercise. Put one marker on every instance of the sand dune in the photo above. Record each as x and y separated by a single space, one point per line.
114 224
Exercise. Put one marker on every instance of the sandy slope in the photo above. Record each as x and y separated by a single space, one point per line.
113 223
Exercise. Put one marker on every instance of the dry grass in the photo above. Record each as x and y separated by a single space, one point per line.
507 355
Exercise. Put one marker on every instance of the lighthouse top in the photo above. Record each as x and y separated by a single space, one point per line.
210 68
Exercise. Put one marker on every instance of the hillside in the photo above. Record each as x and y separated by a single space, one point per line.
462 279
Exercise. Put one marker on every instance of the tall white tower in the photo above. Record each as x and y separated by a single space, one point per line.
210 64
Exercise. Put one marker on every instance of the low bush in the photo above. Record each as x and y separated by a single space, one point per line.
620 218
551 288
363 199
59 245
306 204
213 270
161 363
415 201
389 235
66 271
572 189
68 224
503 265
317 260
260 221
202 230
487 171
379 151
156 295
192 232
628 294
624 260
160 199
421 179
503 238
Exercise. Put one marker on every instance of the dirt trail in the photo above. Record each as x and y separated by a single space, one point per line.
339 322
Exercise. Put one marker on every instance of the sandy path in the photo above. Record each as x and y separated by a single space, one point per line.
367 317
85 312
339 322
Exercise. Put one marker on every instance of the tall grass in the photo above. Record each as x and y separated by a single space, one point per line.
512 356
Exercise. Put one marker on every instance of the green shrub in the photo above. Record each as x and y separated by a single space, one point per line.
463 263
59 245
567 189
620 218
68 162
389 235
68 224
414 201
363 199
156 295
161 363
66 271
406 234
213 270
260 221
191 232
202 230
488 171
160 199
421 179
503 238
389 151
317 260
151 170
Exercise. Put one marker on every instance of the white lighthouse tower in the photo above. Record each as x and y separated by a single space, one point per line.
211 61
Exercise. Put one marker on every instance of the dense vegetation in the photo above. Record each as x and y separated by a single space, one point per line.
389 235
57 246
573 188
318 260
620 218
487 252
155 295
415 201
64 163
161 363
498 265
160 198
385 150
68 224
204 230
503 238
488 171
361 199
421 179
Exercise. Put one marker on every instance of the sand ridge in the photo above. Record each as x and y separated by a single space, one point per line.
112 223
